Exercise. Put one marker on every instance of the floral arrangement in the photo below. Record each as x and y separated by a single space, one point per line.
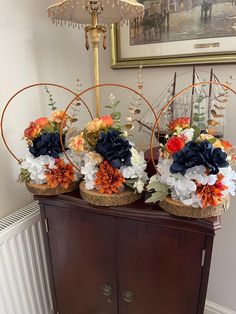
46 163
193 168
108 160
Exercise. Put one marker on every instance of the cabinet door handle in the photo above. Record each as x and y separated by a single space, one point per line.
106 290
128 296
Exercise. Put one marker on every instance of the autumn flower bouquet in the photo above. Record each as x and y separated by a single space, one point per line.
194 174
46 170
109 162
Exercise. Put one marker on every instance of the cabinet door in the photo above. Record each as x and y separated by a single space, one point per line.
83 258
159 269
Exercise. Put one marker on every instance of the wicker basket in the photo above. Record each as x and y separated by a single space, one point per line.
96 198
179 209
44 189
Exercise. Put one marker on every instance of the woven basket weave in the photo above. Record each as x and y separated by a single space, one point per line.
94 197
44 189
179 209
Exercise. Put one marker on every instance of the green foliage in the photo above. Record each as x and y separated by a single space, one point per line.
198 117
24 175
130 182
197 132
116 115
52 103
160 192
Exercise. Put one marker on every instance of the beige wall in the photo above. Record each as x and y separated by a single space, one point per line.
32 50
222 285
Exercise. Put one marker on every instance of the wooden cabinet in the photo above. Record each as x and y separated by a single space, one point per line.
128 260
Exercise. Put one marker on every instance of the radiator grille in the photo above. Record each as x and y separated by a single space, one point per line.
18 216
24 281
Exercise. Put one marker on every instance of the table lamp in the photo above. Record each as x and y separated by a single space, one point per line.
95 15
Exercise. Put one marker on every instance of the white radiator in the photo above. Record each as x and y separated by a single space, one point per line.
24 282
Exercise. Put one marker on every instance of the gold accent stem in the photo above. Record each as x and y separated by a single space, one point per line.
95 39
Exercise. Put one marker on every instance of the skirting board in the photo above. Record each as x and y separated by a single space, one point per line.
213 308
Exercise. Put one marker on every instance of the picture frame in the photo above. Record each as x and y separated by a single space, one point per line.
210 50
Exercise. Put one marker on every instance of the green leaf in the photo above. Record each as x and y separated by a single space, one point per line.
201 119
116 115
197 132
116 103
202 126
157 196
195 119
212 140
108 106
157 186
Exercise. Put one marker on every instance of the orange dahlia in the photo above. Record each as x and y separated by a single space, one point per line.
62 175
211 195
182 123
109 180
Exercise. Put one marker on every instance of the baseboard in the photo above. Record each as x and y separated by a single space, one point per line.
213 308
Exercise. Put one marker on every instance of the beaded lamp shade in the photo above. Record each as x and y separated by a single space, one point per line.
79 11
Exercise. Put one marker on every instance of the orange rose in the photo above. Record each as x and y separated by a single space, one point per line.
175 144
95 125
77 144
32 131
182 123
108 121
226 144
58 116
42 122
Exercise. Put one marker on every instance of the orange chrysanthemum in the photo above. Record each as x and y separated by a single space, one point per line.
109 180
211 195
62 175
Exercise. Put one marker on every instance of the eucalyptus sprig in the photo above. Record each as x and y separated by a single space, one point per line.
116 115
52 103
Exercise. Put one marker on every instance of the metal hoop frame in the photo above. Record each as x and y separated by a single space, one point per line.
157 125
24 89
98 86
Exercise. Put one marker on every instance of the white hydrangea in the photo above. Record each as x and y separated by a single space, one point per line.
89 170
139 186
187 134
137 168
229 180
36 167
198 173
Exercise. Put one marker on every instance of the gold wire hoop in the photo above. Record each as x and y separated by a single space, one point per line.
22 90
157 125
89 89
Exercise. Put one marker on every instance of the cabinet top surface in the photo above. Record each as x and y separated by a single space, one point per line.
138 210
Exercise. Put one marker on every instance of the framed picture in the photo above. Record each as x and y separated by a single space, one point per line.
177 32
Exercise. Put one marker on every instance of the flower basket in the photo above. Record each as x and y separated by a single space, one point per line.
179 209
114 170
94 197
44 189
194 175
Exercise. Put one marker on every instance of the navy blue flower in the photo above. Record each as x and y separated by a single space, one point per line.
196 154
47 144
114 148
